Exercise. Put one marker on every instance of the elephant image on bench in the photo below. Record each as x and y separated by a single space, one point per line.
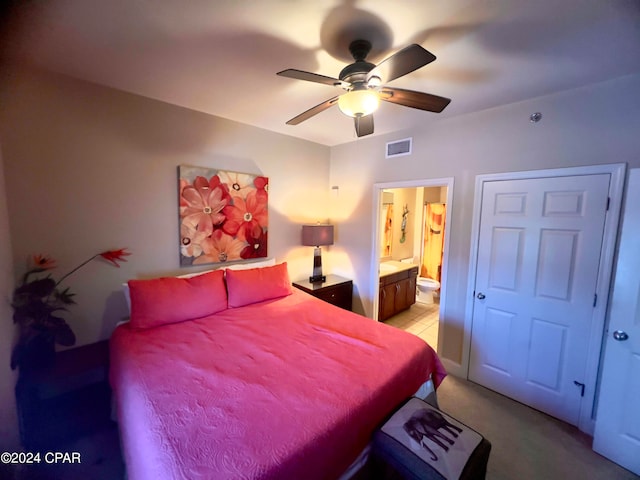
426 424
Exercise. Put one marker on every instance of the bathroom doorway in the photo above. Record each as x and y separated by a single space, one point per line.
411 227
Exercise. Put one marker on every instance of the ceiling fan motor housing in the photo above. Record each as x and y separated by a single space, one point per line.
357 71
360 49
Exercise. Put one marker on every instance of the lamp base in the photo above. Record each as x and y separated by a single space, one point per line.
317 276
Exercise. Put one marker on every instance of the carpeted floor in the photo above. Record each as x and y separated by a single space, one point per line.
99 454
526 444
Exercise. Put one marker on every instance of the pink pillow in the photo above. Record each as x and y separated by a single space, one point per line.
257 284
171 299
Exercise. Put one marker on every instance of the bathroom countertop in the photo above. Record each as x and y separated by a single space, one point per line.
394 266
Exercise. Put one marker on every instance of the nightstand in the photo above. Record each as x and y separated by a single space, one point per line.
336 290
66 400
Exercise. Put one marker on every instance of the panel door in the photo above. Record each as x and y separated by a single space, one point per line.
617 432
538 257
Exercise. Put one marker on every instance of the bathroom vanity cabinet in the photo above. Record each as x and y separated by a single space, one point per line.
397 292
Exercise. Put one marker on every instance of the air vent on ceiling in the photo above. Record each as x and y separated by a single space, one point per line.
399 148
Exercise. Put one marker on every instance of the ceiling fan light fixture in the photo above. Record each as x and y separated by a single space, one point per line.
359 103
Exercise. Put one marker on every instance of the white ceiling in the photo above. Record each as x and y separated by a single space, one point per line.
221 56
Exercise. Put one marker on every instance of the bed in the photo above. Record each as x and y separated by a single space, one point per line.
269 383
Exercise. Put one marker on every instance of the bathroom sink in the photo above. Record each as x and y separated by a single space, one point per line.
392 266
387 268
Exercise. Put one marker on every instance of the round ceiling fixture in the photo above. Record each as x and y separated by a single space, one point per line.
359 102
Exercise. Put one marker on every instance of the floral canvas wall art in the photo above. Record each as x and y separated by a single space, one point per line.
224 215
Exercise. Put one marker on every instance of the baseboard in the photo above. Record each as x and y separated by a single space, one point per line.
454 368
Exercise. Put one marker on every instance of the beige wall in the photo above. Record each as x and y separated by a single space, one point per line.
90 168
8 418
435 194
593 125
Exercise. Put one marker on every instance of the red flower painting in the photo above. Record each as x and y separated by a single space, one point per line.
246 214
202 202
256 244
223 215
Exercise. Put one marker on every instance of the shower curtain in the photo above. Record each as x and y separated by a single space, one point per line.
433 238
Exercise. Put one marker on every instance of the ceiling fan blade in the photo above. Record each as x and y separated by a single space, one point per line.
411 98
313 111
364 125
312 77
402 62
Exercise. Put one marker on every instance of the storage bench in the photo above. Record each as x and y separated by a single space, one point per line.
419 442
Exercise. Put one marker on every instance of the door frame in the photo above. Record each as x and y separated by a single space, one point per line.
374 284
586 421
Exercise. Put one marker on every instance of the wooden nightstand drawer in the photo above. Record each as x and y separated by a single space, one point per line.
336 290
339 296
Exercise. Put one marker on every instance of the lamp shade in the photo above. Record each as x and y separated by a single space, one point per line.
359 103
317 235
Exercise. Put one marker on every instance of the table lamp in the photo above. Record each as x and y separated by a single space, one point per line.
316 236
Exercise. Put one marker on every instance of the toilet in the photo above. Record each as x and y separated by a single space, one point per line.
426 287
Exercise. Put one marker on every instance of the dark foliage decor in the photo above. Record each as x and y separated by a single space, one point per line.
37 306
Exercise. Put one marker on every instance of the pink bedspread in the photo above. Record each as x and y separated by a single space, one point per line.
290 388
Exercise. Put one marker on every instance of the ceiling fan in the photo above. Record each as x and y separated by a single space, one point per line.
364 87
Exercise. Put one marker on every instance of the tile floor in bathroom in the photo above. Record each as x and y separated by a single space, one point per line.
421 320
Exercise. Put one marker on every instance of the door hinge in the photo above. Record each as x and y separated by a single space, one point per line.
608 202
581 385
595 299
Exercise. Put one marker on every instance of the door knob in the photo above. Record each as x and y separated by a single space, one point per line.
480 296
620 335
